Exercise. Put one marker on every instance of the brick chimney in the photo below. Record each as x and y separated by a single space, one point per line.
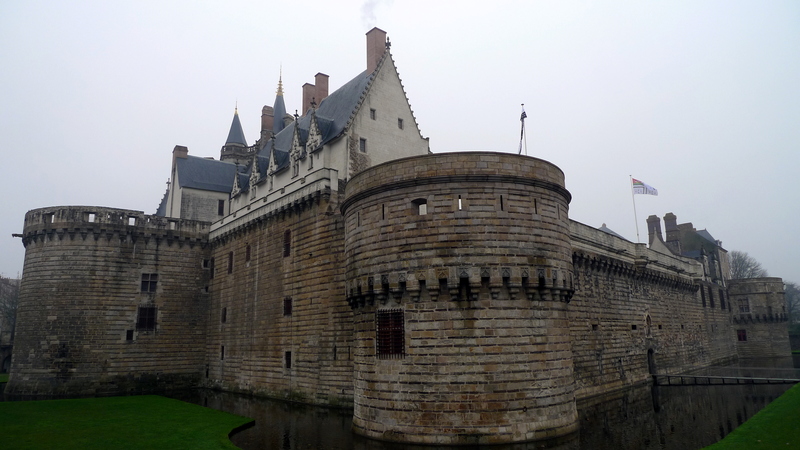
321 84
179 152
267 120
654 229
673 233
309 92
376 47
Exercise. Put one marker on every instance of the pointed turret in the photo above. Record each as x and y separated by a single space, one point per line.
279 108
235 149
236 134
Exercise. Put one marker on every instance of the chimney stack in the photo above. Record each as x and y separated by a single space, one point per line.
309 92
376 47
673 233
267 120
654 229
321 84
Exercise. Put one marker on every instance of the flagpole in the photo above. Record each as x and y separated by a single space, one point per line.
635 219
522 136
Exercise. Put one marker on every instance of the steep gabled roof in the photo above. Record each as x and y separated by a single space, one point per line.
162 207
605 229
236 134
205 174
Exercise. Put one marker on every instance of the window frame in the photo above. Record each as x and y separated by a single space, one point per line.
390 333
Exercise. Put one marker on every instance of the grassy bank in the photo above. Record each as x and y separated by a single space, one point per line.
773 427
135 422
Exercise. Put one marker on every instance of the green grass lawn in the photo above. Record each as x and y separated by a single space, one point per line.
773 427
137 422
3 378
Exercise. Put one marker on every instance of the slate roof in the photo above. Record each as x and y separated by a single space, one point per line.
707 236
206 174
278 111
236 134
333 116
605 229
162 207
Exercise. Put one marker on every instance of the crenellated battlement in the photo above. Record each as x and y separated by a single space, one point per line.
95 221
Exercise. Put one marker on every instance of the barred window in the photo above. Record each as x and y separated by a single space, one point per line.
742 335
390 333
149 282
287 306
287 243
146 320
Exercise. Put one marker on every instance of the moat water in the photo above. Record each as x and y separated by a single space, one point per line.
642 417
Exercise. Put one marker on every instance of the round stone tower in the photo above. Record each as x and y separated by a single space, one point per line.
459 270
112 301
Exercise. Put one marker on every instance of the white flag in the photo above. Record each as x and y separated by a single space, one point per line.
641 188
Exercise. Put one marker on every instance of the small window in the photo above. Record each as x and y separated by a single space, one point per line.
383 212
230 262
421 206
221 352
400 123
502 206
224 316
220 207
362 145
390 333
149 282
287 359
129 335
146 320
287 243
372 113
132 221
247 253
287 306
535 207
47 218
742 335
633 327
744 305
90 217
459 203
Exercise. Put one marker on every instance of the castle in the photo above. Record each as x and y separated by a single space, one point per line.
446 298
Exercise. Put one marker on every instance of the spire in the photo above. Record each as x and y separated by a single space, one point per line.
236 134
279 108
280 82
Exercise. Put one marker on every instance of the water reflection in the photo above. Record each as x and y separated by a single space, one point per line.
643 417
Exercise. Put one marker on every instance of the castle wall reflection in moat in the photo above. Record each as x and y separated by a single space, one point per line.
643 417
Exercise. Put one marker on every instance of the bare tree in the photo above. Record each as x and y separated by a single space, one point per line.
745 266
9 300
792 295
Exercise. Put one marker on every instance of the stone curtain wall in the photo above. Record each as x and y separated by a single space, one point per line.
765 323
81 289
636 310
480 277
257 332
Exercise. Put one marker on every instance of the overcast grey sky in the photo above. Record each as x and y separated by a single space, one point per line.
700 99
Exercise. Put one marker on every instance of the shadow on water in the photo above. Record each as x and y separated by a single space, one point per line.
641 417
